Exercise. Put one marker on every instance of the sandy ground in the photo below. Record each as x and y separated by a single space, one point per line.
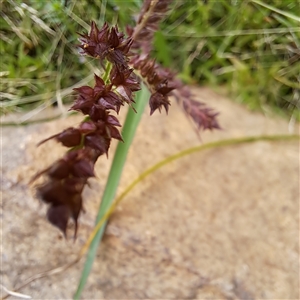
218 224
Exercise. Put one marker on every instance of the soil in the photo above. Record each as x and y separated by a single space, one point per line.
217 224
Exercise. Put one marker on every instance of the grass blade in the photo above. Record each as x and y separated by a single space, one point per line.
279 11
131 123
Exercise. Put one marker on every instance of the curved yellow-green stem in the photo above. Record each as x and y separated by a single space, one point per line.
170 159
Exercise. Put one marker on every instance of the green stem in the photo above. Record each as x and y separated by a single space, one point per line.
108 68
217 144
129 129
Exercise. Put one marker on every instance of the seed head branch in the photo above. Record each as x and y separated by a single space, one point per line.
124 58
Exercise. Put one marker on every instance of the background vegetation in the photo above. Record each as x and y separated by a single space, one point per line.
250 49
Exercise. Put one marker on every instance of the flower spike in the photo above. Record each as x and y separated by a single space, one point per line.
126 57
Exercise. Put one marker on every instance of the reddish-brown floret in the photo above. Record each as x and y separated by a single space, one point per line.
101 97
106 43
204 117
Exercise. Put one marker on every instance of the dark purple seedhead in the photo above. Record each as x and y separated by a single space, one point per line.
106 43
127 62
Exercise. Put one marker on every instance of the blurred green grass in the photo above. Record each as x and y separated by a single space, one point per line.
249 48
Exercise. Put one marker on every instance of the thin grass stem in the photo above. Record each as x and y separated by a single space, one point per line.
130 126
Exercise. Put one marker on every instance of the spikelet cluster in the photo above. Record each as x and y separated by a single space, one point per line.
130 62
